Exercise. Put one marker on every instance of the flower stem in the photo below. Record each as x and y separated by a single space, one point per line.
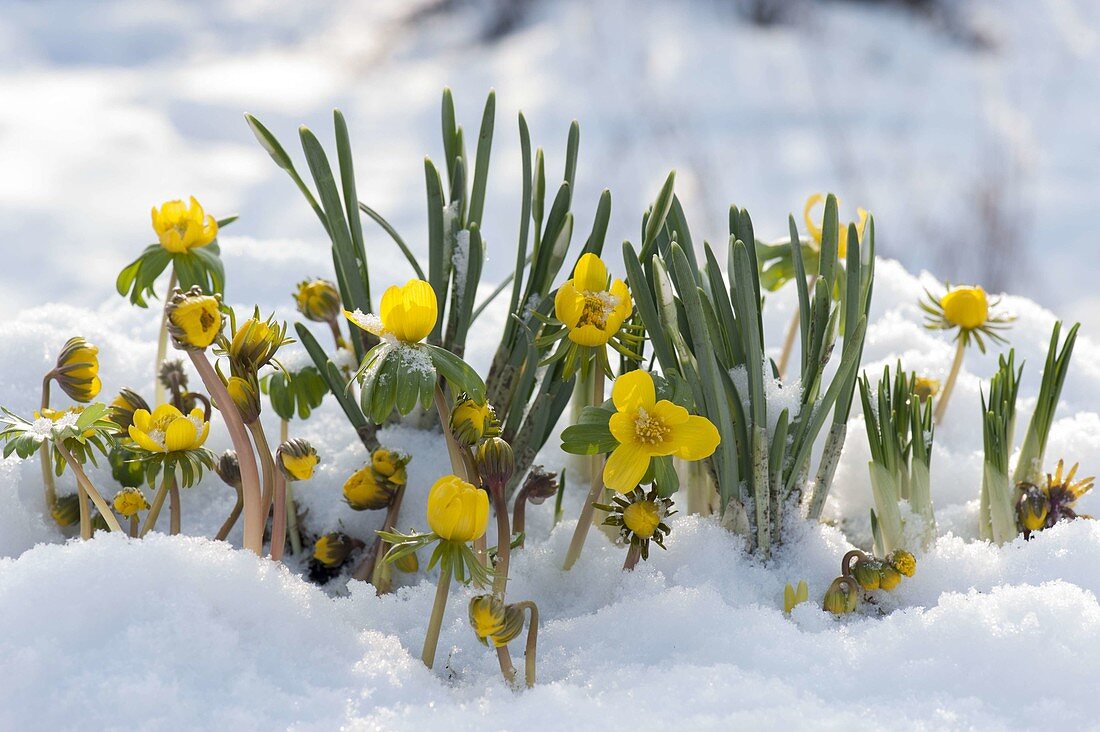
85 512
158 502
174 509
278 521
435 622
267 466
231 520
336 335
532 641
291 508
519 515
633 554
250 478
162 344
133 526
949 384
48 484
588 509
371 567
460 460
86 484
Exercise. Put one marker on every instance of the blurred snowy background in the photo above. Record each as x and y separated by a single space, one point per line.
966 126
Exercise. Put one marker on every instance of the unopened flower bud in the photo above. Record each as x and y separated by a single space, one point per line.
129 472
408 563
793 597
77 370
364 491
495 623
194 319
66 511
540 485
889 578
129 501
471 420
254 343
642 517
495 462
318 300
333 549
1033 507
297 459
904 562
867 573
229 468
123 406
173 375
390 464
246 397
842 596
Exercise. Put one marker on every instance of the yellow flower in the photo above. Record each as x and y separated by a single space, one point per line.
1033 507
888 577
592 310
842 235
904 562
77 370
966 306
318 300
925 388
194 319
868 573
390 464
647 428
168 430
297 458
642 517
255 343
181 227
469 420
129 501
408 313
495 623
364 492
457 511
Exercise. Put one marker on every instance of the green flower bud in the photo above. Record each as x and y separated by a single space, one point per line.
867 573
889 578
408 563
495 462
229 468
842 596
66 512
130 473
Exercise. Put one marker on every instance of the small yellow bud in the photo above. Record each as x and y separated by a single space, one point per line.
868 573
228 468
66 512
793 597
495 462
470 420
124 405
333 549
925 388
129 501
390 464
642 518
254 344
245 396
889 578
365 492
297 459
77 370
408 563
842 596
1032 507
457 511
495 623
194 319
318 300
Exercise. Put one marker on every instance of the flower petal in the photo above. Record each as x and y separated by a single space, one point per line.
163 411
145 441
421 310
568 304
811 226
625 467
695 439
589 335
633 390
590 274
180 435
143 420
622 426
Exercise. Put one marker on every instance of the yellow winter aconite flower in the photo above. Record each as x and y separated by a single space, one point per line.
592 309
332 549
390 464
254 343
818 199
925 387
77 370
965 306
647 428
457 511
904 562
318 300
470 419
129 501
408 313
194 319
298 459
642 518
181 227
167 429
364 492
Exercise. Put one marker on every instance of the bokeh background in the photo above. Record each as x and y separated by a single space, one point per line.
967 126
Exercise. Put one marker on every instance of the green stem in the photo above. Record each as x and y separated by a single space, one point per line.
949 384
133 526
633 554
48 484
158 502
85 512
580 533
162 344
291 508
267 465
174 509
532 641
231 520
86 484
435 622
278 521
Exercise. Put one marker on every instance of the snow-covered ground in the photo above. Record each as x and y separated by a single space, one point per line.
110 110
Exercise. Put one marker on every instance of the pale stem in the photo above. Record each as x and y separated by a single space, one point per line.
158 502
48 484
588 509
369 568
267 466
532 641
435 622
174 509
85 512
162 344
86 484
504 542
949 384
336 335
133 526
507 668
231 520
633 554
250 478
278 521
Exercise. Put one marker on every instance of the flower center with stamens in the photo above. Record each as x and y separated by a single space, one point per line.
650 429
597 306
